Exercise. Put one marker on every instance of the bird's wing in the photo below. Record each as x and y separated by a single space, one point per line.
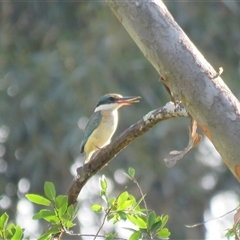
93 122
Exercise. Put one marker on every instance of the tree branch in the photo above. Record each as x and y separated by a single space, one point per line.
104 156
186 73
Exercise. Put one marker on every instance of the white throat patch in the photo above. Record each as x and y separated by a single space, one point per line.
107 107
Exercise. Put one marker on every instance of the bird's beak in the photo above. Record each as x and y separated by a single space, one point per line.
128 100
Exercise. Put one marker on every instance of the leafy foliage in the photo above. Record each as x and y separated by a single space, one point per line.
59 215
9 231
125 207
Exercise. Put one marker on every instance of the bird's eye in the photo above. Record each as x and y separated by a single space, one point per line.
111 99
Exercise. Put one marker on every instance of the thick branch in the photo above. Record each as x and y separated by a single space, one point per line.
105 155
186 72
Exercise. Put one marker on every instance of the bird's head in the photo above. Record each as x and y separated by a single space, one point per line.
113 101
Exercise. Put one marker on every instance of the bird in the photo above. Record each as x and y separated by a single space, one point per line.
103 123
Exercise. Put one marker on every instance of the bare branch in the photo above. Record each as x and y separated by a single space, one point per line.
103 157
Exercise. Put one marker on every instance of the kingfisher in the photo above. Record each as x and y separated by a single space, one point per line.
103 123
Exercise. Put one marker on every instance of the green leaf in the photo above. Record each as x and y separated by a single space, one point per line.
103 183
38 199
61 204
3 221
47 215
109 217
18 233
115 218
122 198
10 230
164 233
44 213
70 211
45 236
151 219
97 208
122 215
60 201
9 233
125 205
69 224
230 233
127 175
76 208
49 190
110 236
103 194
54 230
112 201
52 219
130 229
164 220
136 235
131 172
138 221
48 234
156 226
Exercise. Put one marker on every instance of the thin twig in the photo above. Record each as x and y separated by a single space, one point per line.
104 219
201 223
140 190
91 235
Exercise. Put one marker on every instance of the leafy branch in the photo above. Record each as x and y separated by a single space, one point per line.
126 208
123 208
59 214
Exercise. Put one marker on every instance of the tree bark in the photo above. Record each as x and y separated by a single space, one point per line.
186 72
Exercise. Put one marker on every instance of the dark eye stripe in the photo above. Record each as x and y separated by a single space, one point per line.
111 98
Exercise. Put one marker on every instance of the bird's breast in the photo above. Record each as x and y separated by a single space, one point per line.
109 123
103 133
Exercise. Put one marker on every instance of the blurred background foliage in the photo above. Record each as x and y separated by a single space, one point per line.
57 58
